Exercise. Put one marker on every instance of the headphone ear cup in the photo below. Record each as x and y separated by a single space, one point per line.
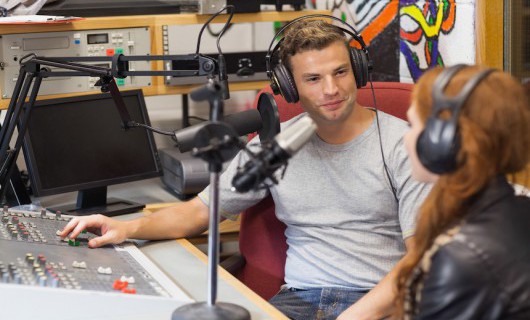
437 145
359 62
285 82
274 85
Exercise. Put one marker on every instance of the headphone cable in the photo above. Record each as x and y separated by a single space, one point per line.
394 190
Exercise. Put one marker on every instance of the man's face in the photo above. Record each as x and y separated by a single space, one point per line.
325 82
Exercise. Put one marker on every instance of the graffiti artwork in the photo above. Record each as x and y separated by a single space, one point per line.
407 37
378 23
425 23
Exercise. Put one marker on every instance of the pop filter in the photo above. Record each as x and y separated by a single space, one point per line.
270 118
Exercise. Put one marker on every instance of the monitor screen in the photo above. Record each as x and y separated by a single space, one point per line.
78 144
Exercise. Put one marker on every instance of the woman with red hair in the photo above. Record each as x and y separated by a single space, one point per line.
470 128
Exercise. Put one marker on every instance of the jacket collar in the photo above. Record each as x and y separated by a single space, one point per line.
496 190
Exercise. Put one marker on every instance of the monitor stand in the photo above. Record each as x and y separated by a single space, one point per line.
16 193
95 200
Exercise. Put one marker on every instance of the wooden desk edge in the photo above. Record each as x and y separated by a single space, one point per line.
235 283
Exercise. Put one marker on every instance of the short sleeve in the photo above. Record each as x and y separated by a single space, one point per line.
231 203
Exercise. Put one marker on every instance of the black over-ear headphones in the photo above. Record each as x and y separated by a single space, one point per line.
281 79
439 143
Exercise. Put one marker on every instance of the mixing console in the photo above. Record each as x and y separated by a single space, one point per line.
32 254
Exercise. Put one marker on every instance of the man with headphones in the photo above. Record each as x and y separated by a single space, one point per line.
347 197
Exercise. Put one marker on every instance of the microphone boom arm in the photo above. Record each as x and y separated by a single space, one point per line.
33 70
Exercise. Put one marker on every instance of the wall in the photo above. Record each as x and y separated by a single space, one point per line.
406 37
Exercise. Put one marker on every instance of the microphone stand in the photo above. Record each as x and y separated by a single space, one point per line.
33 69
215 143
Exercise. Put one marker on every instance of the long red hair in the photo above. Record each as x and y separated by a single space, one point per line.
494 129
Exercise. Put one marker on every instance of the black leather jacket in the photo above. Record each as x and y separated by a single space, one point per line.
484 272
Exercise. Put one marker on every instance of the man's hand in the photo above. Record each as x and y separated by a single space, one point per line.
110 231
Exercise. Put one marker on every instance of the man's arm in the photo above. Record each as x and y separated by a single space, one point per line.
379 302
182 220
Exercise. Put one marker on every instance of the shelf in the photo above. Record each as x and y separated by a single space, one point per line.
154 23
177 19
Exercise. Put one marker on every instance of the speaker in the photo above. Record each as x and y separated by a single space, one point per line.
281 79
438 144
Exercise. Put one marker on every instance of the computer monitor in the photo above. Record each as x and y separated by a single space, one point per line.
78 144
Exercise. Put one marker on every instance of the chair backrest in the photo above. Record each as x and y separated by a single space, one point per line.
262 236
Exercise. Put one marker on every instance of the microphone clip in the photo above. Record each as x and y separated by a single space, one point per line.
266 176
216 143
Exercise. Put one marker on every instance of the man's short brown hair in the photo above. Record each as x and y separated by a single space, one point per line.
306 35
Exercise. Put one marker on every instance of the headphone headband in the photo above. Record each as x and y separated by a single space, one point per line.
281 79
354 34
443 102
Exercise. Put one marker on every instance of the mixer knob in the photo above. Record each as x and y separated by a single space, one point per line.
17 278
4 274
30 259
130 279
103 270
55 282
42 280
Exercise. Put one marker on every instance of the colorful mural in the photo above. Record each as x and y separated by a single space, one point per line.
432 19
372 17
378 23
407 37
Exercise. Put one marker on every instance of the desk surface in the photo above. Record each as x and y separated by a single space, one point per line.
181 261
191 274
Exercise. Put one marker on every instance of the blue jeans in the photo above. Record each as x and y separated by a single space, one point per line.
324 303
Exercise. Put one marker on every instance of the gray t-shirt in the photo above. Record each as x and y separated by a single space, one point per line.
344 227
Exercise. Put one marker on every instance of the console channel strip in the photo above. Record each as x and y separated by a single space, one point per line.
32 254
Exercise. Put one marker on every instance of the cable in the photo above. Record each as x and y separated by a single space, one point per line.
394 190
231 9
210 20
226 27
216 34
197 118
134 124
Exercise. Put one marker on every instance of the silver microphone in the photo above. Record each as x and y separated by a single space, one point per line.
272 157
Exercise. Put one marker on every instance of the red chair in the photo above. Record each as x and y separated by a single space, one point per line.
262 240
